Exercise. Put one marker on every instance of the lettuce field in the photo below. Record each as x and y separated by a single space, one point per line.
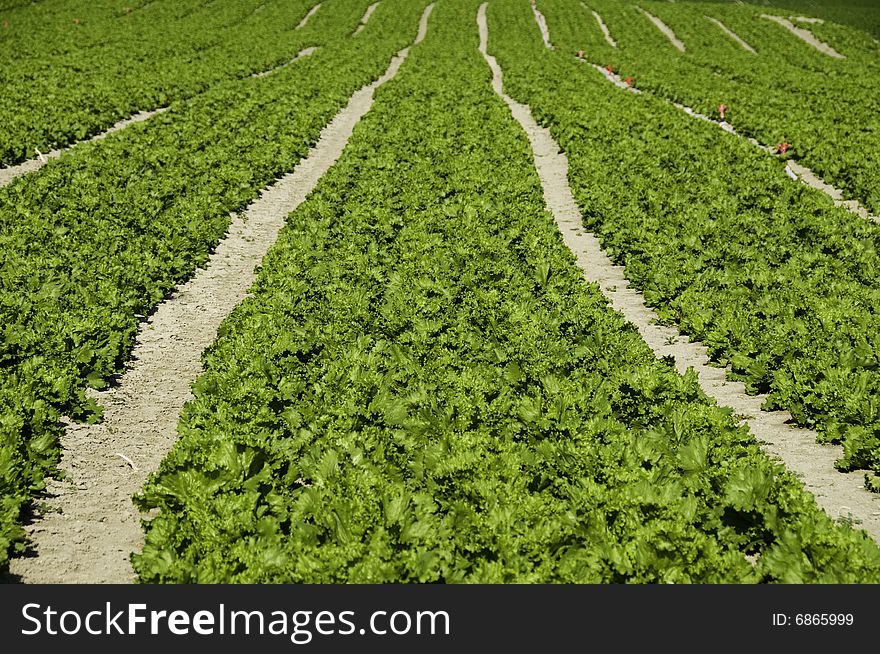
516 291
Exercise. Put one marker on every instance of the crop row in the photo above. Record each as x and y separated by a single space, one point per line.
57 27
787 93
422 387
776 281
93 241
127 62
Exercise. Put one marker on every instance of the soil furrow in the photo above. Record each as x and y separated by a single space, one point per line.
663 27
305 52
7 175
542 25
602 26
793 169
366 18
805 35
733 35
306 18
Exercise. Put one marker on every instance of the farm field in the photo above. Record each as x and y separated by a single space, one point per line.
777 283
453 292
106 61
779 90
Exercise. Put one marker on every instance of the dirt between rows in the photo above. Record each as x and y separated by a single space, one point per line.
805 35
663 27
12 172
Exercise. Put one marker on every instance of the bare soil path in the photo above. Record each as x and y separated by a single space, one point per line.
306 18
663 27
366 18
805 35
794 170
733 35
602 26
88 525
542 25
7 175
305 52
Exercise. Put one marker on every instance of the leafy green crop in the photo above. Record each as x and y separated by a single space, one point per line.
778 283
63 82
95 240
423 388
825 108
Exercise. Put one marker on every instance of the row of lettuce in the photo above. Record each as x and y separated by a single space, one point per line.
779 284
423 388
95 240
63 81
788 92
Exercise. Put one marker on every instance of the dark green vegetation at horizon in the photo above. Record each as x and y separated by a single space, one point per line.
861 14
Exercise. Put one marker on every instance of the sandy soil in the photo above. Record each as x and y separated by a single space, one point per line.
305 52
792 168
663 27
810 178
542 25
723 124
88 526
615 79
7 175
366 18
13 172
602 26
805 35
724 28
841 495
305 19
